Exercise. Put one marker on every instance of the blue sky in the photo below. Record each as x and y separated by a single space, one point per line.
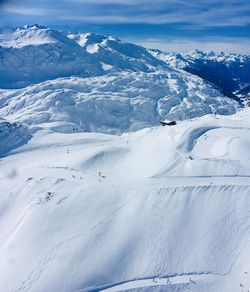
178 25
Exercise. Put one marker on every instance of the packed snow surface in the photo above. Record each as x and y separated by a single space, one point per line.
160 209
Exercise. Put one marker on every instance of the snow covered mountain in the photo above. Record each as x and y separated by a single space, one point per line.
115 55
230 73
96 83
33 54
94 194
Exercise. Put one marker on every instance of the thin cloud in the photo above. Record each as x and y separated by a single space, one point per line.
123 2
195 13
26 11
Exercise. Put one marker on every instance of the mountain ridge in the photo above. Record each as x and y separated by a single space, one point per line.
103 54
228 72
95 83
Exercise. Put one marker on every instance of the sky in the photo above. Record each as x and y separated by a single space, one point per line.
170 25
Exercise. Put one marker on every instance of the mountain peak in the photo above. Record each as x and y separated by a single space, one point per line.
32 26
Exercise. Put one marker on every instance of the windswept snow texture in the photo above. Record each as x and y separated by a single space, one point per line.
230 73
161 209
12 135
114 103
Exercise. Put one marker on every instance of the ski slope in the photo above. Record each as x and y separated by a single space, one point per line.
159 209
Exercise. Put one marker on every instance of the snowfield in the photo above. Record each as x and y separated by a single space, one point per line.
163 208
114 103
95 195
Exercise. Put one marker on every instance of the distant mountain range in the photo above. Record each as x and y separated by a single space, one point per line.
37 53
229 73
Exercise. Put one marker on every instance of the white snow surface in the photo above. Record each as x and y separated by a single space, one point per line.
33 54
94 194
29 35
228 72
160 209
113 103
12 135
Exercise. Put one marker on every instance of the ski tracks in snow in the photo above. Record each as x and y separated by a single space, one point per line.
185 281
241 226
50 255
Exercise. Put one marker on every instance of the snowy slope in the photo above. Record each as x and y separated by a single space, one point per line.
114 103
230 73
165 208
12 135
115 55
